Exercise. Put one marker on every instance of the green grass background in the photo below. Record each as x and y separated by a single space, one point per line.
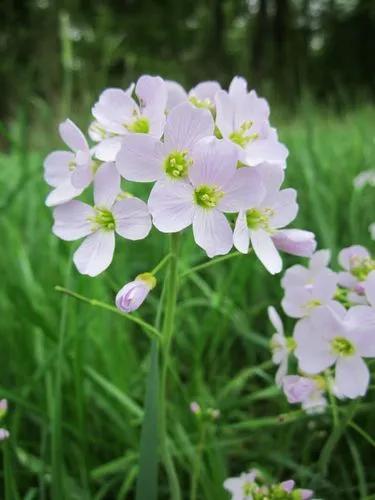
75 374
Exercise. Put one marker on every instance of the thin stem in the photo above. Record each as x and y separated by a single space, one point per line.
210 263
168 328
161 264
150 330
332 402
198 460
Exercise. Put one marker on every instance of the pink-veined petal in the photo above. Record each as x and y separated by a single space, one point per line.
171 205
140 158
295 242
244 190
106 185
265 250
95 253
132 218
214 163
71 220
212 232
72 136
185 126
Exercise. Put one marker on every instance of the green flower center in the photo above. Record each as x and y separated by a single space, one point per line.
177 164
342 346
140 126
257 219
291 344
95 164
248 489
103 219
72 165
202 103
242 136
361 268
207 196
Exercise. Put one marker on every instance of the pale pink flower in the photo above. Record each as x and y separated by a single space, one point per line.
117 114
297 389
307 288
133 294
357 262
338 338
3 407
4 434
195 408
127 217
69 172
242 118
215 186
200 96
289 485
241 487
144 158
259 222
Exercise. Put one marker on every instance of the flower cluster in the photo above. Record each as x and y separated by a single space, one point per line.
247 487
214 161
335 328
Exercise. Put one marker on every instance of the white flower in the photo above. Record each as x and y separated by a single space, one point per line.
242 487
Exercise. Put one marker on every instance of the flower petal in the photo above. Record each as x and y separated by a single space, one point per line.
265 250
132 217
114 108
347 255
82 176
56 167
140 158
171 205
275 319
352 377
62 194
95 253
107 149
106 185
262 150
244 190
72 136
186 125
295 242
176 94
71 220
212 232
237 87
151 91
214 163
241 235
205 90
225 113
285 207
370 288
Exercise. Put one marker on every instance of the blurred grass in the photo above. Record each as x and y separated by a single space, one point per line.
75 374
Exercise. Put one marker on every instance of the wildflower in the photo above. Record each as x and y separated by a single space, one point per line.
281 346
242 118
243 486
69 172
257 224
214 186
307 288
117 114
297 389
357 262
133 294
295 242
329 338
3 408
288 487
367 177
144 158
195 408
127 217
200 96
4 434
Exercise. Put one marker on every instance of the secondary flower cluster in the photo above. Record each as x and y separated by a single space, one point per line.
335 328
247 487
212 156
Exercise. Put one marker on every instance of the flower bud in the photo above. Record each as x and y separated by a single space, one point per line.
195 408
3 407
4 434
295 241
297 389
133 294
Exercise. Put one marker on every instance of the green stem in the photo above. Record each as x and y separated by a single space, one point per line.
210 263
167 334
150 330
332 401
198 461
161 264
